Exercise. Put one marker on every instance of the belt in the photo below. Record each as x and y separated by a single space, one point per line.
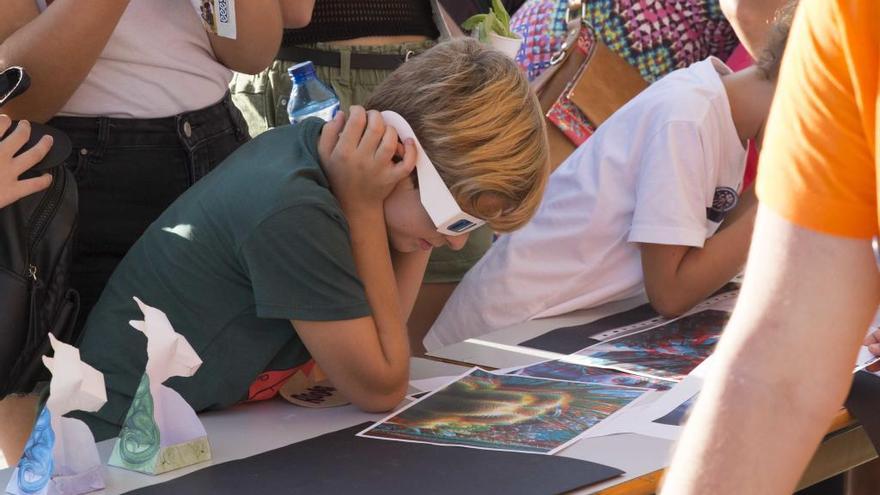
323 58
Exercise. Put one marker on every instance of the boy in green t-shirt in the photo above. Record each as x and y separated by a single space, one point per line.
311 240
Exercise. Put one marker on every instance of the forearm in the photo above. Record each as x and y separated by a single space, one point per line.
409 270
783 364
679 282
705 270
58 49
258 36
373 262
764 453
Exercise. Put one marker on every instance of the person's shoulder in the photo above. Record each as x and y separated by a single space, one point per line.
301 138
687 94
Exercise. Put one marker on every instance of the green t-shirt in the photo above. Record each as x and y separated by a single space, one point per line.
259 241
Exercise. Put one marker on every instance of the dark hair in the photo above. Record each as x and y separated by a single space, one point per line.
771 56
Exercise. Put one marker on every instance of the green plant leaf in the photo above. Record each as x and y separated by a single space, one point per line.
500 29
487 26
472 22
501 14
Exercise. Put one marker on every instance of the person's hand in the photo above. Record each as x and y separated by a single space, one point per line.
11 167
873 342
358 156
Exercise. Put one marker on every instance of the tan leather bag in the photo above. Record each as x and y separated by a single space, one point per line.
597 81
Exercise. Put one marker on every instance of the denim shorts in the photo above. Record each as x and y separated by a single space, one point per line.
128 171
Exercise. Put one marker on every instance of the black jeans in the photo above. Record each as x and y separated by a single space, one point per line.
128 171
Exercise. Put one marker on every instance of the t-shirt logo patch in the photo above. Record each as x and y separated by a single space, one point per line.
725 200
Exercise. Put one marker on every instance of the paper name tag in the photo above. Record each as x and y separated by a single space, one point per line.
218 16
312 390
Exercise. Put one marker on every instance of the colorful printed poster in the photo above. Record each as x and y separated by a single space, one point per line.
573 372
669 351
505 412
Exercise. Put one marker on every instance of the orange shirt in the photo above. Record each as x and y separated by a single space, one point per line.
819 161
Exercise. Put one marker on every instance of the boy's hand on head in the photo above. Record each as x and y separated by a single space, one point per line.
357 155
11 167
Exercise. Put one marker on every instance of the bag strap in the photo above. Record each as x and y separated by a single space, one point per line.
13 82
574 19
447 27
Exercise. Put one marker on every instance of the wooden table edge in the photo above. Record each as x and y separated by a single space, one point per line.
648 484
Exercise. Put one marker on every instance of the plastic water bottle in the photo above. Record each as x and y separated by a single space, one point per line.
309 97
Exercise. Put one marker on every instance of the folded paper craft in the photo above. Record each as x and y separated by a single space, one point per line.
60 456
161 431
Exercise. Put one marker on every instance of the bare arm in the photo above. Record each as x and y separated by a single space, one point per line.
258 36
409 270
58 49
751 20
679 277
296 13
367 359
789 348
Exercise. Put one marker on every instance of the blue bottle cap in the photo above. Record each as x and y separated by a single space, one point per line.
301 69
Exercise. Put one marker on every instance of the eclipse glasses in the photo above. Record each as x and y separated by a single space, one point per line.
433 193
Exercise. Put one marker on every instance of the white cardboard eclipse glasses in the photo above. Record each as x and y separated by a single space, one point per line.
435 196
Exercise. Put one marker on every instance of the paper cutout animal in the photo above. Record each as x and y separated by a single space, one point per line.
161 431
60 456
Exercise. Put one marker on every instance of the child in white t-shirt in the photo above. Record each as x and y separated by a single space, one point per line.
637 208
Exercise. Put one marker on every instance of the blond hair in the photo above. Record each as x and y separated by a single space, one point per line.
482 127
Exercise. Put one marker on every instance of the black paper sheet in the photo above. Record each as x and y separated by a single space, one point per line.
677 416
568 340
340 462
863 403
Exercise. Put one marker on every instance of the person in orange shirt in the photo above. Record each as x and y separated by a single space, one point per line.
784 364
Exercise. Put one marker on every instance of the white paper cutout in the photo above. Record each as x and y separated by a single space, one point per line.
60 456
161 431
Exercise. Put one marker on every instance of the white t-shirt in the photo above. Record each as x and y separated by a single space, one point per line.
158 62
650 173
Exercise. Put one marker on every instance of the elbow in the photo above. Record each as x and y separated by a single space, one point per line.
748 18
251 66
382 393
734 10
375 402
254 60
298 15
669 305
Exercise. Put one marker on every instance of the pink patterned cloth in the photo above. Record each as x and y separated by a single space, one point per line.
654 36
